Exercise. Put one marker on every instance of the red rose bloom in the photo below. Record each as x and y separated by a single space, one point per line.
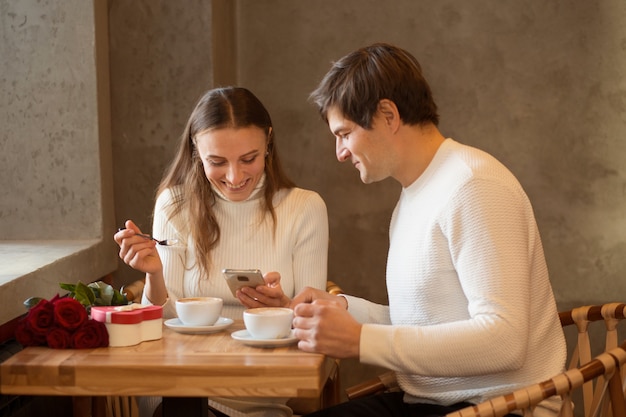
92 334
59 338
69 313
40 318
26 337
61 323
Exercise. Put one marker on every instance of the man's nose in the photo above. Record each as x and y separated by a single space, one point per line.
341 151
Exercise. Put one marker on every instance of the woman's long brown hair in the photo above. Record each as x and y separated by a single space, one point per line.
229 107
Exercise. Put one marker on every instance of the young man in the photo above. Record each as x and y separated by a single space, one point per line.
471 311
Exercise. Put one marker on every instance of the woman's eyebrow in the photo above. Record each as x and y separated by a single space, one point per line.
254 151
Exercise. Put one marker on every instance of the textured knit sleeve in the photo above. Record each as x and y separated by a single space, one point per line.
489 228
365 311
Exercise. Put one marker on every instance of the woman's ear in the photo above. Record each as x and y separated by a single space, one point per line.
390 114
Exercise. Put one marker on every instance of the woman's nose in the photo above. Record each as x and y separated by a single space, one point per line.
341 151
233 175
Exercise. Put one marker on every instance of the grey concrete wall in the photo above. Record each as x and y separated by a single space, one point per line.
50 167
539 84
56 186
160 54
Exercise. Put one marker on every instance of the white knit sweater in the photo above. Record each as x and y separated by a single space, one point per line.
298 250
471 304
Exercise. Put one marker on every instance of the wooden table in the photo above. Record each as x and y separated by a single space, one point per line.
176 366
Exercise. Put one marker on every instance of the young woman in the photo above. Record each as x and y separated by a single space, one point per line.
227 202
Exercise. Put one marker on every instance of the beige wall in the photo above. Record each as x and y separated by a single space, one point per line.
540 84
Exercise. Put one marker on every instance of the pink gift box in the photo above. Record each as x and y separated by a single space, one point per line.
130 325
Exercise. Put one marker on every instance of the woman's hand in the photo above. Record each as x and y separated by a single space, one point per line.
137 251
269 295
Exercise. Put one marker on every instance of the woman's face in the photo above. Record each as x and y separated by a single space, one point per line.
233 159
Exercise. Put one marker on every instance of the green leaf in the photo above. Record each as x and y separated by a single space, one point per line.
84 294
97 293
119 299
68 287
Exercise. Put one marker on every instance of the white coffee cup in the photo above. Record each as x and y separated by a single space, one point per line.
268 322
199 311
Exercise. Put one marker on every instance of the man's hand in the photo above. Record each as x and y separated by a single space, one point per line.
325 326
308 295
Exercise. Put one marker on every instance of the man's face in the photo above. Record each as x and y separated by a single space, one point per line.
366 149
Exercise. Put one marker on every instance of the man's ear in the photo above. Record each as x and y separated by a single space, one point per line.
390 114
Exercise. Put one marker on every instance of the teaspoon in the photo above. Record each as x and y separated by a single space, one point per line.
164 242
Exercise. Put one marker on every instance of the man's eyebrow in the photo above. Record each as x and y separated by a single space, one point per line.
337 131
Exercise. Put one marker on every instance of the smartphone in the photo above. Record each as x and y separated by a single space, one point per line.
239 278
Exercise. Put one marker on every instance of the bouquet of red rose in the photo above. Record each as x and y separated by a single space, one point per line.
61 323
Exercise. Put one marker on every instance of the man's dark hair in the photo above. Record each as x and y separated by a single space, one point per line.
357 82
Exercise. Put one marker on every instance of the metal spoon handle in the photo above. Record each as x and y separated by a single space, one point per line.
165 242
146 236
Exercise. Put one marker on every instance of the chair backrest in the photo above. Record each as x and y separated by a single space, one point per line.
608 398
582 318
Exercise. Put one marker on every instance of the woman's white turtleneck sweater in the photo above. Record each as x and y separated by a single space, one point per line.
298 249
471 303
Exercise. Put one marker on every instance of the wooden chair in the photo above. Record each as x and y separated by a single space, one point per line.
134 290
587 321
580 317
608 398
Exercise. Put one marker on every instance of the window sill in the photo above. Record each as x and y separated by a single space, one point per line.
35 268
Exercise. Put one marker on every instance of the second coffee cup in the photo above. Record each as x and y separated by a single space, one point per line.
199 311
268 322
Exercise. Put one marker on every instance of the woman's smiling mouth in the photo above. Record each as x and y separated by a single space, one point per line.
232 187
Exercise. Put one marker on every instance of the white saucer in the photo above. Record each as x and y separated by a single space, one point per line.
176 325
247 339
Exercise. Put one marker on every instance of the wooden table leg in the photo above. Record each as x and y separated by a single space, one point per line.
185 406
331 393
99 407
85 406
81 406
